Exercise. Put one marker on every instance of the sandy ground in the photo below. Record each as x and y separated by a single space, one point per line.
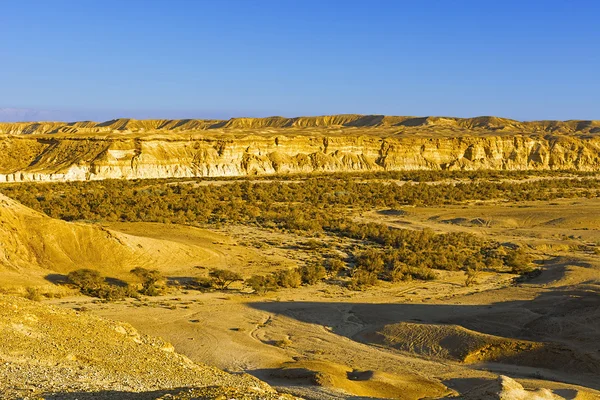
242 332
327 342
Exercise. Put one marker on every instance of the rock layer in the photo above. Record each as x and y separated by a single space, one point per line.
129 149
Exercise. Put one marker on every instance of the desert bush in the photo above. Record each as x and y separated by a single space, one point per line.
223 278
283 343
112 292
314 244
289 278
312 273
471 276
91 283
361 279
152 281
88 281
423 273
335 266
398 271
262 284
33 294
473 267
371 261
519 261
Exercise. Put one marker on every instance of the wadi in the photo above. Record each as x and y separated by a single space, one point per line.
332 257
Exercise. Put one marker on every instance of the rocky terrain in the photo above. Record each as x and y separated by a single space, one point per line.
131 149
48 352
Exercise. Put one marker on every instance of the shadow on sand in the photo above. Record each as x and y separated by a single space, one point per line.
517 319
111 395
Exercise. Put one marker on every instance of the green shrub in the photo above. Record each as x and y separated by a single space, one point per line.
314 244
472 268
152 281
423 273
262 284
88 281
398 271
222 278
289 278
370 260
91 283
312 273
362 279
112 292
335 266
519 261
471 277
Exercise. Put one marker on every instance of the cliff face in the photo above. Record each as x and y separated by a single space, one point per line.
163 149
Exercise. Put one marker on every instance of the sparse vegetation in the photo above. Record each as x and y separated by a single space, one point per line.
315 208
91 283
519 261
312 273
33 294
262 284
222 278
471 278
152 281
289 278
335 266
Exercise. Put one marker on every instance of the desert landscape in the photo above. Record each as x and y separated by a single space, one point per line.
334 257
289 200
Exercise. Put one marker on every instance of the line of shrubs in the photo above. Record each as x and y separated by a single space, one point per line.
91 283
371 266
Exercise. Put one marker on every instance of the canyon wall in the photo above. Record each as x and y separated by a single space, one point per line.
260 148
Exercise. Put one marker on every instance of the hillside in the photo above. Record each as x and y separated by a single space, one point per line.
131 149
34 247
95 358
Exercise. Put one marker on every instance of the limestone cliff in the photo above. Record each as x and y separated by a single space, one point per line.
244 146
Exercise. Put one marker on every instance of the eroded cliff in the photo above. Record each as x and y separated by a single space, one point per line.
244 146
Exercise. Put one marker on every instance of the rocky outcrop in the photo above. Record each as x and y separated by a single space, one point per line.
128 149
49 352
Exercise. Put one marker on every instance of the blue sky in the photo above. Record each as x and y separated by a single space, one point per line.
217 59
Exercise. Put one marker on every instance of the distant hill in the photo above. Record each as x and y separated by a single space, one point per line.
341 121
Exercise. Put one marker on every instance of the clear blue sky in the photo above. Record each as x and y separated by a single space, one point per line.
85 59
